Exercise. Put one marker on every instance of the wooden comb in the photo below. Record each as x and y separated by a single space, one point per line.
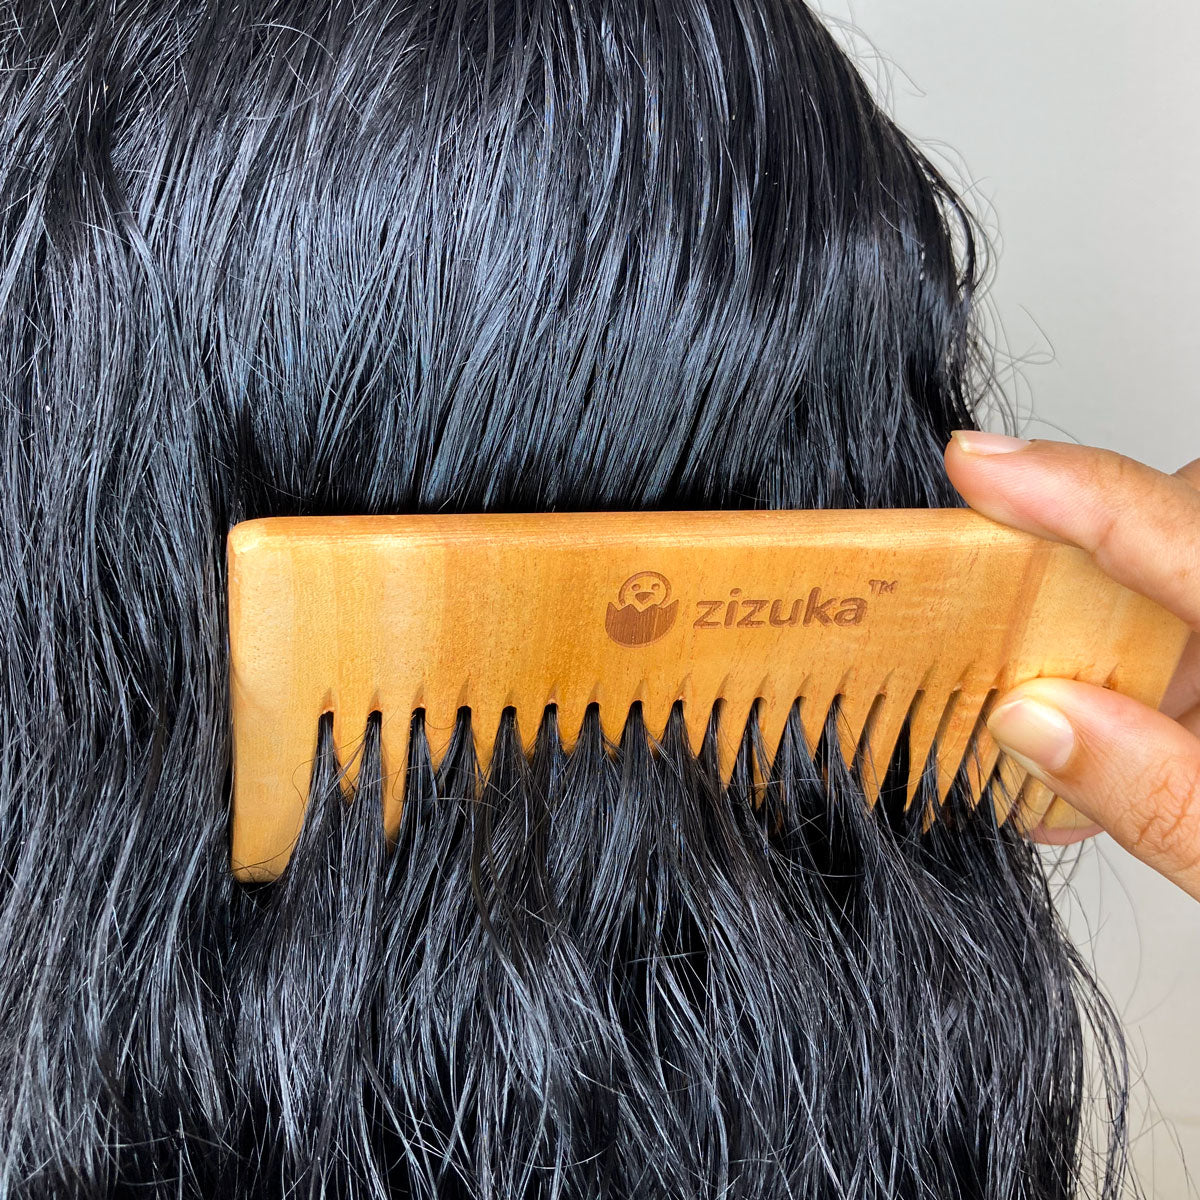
917 616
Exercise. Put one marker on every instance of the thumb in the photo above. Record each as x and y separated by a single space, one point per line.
1129 768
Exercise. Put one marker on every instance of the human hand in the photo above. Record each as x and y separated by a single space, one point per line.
1132 770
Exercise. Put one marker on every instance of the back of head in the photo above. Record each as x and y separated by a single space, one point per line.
282 257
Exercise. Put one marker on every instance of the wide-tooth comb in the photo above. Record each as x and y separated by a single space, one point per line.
917 616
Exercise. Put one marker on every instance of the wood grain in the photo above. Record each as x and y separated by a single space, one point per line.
917 616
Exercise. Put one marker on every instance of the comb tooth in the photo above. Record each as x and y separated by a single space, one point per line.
394 732
758 766
815 704
980 768
614 712
696 715
656 710
928 710
736 706
763 700
772 721
350 712
272 769
441 696
744 704
954 736
853 711
884 727
485 724
1009 778
1035 800
441 716
982 762
527 698
1060 815
530 702
923 721
727 748
571 711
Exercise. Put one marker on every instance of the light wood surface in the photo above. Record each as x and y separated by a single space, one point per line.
918 615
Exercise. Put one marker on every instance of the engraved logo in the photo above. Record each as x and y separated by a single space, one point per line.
815 609
642 613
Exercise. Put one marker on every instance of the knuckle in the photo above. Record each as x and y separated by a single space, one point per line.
1115 500
1169 825
1106 526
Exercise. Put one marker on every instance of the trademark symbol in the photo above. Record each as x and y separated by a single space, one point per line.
881 586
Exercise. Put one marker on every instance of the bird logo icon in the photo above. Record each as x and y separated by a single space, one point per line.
644 611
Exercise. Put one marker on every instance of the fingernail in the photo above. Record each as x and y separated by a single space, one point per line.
1034 732
975 441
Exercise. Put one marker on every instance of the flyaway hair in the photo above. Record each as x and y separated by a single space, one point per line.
281 257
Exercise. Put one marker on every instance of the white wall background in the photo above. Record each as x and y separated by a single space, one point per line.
1075 127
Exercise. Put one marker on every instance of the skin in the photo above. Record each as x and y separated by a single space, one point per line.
1132 770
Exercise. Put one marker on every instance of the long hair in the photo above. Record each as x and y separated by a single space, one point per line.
285 257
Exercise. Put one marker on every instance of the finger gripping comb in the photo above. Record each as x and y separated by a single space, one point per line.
911 619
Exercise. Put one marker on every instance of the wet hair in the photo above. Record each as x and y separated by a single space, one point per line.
285 257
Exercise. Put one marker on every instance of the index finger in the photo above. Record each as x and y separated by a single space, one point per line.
1140 525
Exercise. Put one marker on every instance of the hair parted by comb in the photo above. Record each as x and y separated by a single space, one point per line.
284 257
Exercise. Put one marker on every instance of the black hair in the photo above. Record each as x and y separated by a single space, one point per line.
284 257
